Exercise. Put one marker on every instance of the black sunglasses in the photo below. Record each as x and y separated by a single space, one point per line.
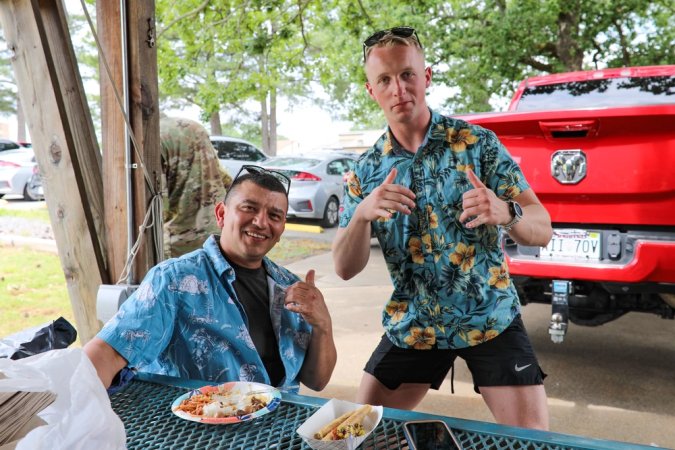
404 32
257 170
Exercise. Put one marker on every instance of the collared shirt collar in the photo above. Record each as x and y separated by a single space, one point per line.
398 150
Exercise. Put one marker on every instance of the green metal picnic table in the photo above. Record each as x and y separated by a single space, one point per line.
145 408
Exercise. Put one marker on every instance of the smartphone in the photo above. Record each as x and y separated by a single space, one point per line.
430 435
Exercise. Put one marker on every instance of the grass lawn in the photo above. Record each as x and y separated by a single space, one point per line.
33 288
40 214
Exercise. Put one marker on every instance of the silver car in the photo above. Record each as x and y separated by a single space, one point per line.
317 184
19 174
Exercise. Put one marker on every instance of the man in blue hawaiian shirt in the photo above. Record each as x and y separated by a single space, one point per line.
436 191
226 312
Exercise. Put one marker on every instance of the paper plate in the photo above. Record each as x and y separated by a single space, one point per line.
230 394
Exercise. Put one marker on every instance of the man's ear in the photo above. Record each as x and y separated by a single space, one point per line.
427 77
220 211
369 88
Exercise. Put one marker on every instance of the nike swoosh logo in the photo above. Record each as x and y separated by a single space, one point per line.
518 369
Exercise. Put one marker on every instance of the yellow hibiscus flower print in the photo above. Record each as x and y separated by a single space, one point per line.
499 277
415 247
418 246
465 167
464 256
353 184
475 337
433 218
421 339
426 240
510 191
387 147
459 140
396 310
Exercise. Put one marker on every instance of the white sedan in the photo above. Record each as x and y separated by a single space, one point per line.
19 174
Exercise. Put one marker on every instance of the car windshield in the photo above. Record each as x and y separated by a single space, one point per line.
612 92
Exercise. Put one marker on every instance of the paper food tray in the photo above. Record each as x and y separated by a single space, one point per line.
331 410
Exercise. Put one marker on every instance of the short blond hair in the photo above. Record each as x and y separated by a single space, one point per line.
390 40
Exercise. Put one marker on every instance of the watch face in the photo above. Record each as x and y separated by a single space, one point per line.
517 210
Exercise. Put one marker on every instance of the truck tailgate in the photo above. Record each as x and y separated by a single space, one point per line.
628 155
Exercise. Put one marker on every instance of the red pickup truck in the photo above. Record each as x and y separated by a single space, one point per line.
598 148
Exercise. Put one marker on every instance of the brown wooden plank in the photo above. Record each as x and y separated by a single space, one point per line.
144 119
65 145
144 114
112 136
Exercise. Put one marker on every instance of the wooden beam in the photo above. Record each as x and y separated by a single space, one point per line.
65 145
144 113
141 71
112 135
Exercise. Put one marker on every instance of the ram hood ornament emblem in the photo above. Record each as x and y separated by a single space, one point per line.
568 166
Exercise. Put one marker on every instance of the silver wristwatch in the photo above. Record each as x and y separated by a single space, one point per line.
516 211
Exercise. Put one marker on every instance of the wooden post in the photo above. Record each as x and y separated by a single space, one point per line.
65 145
141 71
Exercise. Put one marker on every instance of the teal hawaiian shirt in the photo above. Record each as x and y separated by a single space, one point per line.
184 320
451 285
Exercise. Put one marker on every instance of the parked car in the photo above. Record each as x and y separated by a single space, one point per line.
234 153
19 174
317 184
6 145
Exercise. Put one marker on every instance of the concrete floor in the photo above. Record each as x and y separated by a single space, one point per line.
616 381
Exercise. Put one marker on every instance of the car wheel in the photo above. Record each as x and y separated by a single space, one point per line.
30 190
330 213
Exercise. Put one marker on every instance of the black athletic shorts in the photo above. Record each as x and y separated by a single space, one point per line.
507 360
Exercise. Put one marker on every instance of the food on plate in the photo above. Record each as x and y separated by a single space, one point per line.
224 403
348 424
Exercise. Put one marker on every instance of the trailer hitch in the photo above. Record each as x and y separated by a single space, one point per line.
557 328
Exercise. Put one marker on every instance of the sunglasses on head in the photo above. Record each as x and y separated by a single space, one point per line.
257 170
403 32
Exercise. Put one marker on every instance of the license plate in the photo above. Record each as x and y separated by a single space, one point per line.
580 244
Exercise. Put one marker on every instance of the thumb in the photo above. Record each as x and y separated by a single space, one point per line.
309 278
390 177
474 180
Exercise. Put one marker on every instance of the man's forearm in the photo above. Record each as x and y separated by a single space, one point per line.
320 359
351 249
534 228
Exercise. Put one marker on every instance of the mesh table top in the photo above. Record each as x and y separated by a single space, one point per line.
144 407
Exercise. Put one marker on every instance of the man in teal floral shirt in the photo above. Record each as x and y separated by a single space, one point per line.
226 312
436 191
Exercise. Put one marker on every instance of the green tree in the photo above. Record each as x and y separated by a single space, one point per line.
8 90
222 56
484 48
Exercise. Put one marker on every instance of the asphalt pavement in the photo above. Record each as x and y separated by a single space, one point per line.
615 382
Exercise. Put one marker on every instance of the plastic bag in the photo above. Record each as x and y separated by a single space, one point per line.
50 336
81 417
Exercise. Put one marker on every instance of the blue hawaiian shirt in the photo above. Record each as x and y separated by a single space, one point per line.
451 284
184 320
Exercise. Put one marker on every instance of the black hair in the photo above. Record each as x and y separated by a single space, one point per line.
264 180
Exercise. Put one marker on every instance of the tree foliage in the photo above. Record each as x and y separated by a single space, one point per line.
228 56
221 54
8 89
484 48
